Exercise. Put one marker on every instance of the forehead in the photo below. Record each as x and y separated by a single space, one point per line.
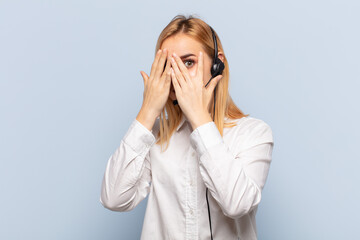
182 44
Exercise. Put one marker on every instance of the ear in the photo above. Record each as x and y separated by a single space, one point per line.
221 56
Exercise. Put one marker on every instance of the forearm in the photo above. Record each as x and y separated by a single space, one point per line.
127 175
146 117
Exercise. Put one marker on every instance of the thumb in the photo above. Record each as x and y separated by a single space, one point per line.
214 82
144 76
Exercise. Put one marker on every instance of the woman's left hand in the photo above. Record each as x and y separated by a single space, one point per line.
192 96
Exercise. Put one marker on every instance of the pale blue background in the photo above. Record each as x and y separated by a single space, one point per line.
70 87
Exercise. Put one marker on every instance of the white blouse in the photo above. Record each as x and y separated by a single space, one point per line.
234 168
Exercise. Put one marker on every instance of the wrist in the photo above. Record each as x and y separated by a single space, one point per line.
147 117
200 119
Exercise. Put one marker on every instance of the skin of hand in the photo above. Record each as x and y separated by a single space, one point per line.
157 86
193 98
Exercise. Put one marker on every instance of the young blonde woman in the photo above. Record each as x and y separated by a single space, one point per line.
206 183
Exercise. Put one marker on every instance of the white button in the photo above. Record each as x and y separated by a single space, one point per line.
191 183
191 211
193 154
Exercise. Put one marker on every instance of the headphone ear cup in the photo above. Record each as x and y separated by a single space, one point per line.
217 67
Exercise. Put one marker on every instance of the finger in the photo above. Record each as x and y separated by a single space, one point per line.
177 72
160 66
167 67
213 83
144 76
182 67
200 68
175 82
167 77
153 66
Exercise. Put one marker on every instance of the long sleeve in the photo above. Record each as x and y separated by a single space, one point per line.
235 180
127 177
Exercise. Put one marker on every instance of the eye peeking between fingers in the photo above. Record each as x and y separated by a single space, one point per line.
190 61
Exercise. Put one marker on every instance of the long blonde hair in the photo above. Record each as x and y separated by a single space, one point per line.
224 107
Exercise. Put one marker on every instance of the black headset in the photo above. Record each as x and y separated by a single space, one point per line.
216 69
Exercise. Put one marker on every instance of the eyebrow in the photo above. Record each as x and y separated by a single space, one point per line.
187 55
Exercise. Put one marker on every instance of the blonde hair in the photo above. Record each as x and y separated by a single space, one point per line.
224 107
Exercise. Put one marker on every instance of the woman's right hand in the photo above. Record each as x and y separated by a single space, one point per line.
157 86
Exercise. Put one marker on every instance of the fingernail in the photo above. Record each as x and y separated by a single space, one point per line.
174 54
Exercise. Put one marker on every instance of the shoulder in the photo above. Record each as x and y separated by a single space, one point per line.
252 129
